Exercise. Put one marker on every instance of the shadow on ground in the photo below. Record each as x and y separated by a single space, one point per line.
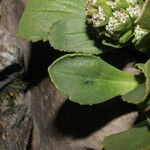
80 121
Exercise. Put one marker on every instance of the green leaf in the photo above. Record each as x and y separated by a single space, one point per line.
71 35
87 79
143 20
39 16
133 139
147 75
136 95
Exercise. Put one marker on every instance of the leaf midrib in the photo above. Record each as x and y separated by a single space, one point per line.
97 78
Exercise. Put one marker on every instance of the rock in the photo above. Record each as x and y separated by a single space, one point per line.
10 53
60 124
15 122
15 128
11 93
43 107
11 12
11 57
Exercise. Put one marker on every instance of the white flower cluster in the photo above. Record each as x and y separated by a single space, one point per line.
121 16
134 11
117 19
139 32
98 17
111 24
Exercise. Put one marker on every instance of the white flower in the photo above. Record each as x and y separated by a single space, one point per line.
122 17
113 5
117 19
134 11
113 22
132 1
99 16
139 32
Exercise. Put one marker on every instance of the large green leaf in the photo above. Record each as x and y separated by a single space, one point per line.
71 35
39 16
133 139
87 79
144 19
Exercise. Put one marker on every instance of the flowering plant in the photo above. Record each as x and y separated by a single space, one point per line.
89 28
116 21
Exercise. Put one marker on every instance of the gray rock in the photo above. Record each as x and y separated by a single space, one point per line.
15 128
10 53
14 52
11 57
11 12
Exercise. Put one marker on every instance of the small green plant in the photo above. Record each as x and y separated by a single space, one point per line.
86 29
